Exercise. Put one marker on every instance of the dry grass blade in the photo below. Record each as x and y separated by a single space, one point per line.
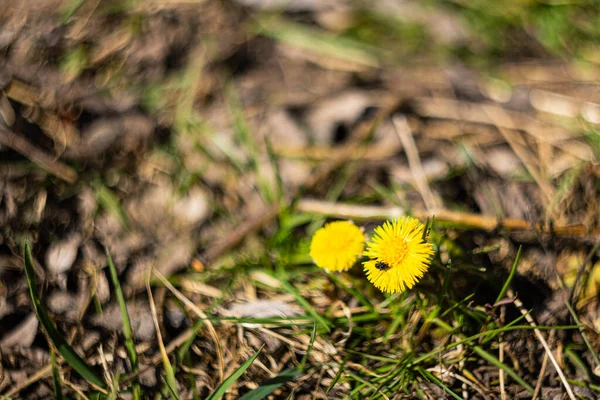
501 119
559 104
538 385
414 161
540 337
170 378
480 114
45 161
61 132
22 92
200 314
40 374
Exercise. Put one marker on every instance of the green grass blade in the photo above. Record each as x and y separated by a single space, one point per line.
364 381
230 380
313 336
429 376
56 381
317 41
595 388
509 371
129 343
583 335
171 387
185 347
338 374
70 9
109 201
269 386
513 271
578 362
279 188
114 390
65 350
396 322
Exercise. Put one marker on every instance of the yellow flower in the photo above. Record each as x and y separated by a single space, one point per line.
337 245
399 256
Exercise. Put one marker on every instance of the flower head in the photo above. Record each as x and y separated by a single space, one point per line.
337 245
399 255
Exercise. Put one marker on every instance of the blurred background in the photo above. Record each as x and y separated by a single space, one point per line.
210 139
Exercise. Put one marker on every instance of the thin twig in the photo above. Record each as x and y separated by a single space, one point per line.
44 160
540 337
40 374
327 153
76 389
161 345
468 220
538 385
501 356
414 161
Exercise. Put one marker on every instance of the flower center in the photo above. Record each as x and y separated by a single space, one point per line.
395 252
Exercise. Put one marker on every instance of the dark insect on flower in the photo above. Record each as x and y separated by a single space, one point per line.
382 266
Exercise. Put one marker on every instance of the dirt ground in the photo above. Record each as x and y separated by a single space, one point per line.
205 139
